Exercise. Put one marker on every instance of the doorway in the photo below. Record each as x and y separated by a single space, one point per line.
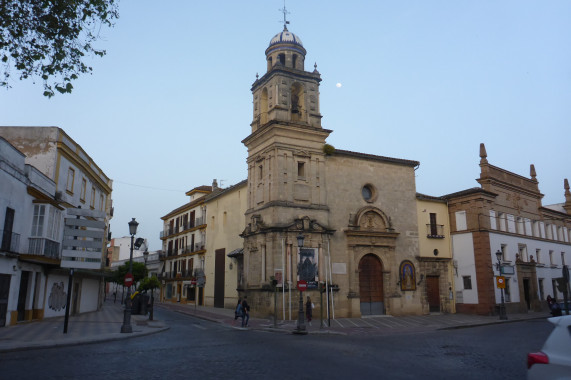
433 293
526 293
4 293
371 285
219 274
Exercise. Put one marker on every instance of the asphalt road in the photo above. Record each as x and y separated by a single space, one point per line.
198 349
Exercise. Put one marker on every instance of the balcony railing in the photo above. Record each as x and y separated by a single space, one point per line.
199 221
435 231
44 247
10 241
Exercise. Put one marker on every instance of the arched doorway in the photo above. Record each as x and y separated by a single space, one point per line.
371 285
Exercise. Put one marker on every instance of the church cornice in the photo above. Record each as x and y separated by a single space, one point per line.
288 204
289 72
286 125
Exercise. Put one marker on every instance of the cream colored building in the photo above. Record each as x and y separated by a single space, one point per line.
184 248
357 212
226 208
435 254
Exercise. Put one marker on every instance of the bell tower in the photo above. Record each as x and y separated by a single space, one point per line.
286 163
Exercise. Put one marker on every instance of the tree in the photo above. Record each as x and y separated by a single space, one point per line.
50 38
149 283
139 272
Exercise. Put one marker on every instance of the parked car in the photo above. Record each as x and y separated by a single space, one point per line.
554 359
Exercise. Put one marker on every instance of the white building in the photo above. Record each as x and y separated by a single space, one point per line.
58 175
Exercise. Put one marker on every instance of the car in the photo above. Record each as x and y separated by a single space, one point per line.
554 359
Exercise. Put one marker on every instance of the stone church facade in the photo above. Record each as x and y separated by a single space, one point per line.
357 212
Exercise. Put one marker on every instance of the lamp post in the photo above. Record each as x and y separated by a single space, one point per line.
300 329
503 315
146 256
126 327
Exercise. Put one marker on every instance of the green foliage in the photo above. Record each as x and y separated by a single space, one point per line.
49 39
149 283
139 272
328 149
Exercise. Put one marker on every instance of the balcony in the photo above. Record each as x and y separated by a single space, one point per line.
435 231
10 241
44 247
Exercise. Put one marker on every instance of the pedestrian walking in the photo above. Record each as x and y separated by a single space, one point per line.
238 311
245 312
309 310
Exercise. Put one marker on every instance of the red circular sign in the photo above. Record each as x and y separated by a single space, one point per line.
302 285
128 279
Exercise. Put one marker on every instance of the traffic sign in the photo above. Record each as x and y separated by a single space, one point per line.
129 280
302 285
501 282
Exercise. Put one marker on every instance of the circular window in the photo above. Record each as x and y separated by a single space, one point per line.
368 193
435 252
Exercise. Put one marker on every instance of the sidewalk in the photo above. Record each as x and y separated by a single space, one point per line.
105 325
374 325
98 326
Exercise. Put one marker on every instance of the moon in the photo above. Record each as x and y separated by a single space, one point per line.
338 85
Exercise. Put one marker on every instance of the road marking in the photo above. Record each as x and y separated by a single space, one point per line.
199 327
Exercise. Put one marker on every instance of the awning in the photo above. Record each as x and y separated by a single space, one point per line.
236 253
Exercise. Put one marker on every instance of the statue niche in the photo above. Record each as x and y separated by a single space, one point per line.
372 221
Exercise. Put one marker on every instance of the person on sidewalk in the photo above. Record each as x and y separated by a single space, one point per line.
238 312
245 312
309 310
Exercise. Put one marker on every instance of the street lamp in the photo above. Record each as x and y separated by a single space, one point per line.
146 256
503 315
300 329
126 327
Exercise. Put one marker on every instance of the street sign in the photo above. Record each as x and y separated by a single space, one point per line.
302 285
129 279
501 282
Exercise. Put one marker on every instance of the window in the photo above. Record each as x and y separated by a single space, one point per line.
294 60
522 249
511 224
368 193
301 169
550 257
538 255
541 291
549 232
92 197
520 226
507 290
467 282
83 190
101 202
260 172
542 230
493 224
38 220
433 226
281 58
504 249
70 180
502 221
49 228
461 220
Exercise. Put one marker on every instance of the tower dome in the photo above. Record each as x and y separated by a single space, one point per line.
286 49
286 37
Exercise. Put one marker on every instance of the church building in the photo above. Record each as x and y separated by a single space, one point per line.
356 212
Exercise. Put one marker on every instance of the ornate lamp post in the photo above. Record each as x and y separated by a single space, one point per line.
503 315
126 327
300 329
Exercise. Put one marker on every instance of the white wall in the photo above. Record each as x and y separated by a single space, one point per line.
463 248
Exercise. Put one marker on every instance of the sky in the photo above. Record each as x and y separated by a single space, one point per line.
168 106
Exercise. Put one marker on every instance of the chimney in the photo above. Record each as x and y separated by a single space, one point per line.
214 184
